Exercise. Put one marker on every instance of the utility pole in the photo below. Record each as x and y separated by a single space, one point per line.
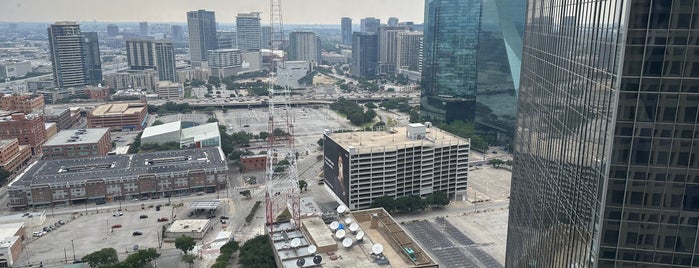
73 245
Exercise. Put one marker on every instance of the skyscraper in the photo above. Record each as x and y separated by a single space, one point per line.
605 171
140 54
143 28
471 63
409 51
364 54
266 37
177 32
387 47
346 29
369 24
74 55
392 21
112 30
165 60
249 31
305 46
202 34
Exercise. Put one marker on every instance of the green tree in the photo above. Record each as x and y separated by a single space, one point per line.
101 258
246 193
257 252
157 123
438 198
184 243
141 258
303 185
508 162
385 202
211 120
496 162
263 135
189 259
4 174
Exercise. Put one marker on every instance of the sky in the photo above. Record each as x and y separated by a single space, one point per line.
294 11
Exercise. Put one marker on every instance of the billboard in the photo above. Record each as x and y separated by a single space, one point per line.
336 169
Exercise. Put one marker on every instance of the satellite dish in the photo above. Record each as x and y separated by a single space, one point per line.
334 225
377 249
317 259
348 221
354 227
360 235
312 249
347 242
300 262
295 242
341 209
340 234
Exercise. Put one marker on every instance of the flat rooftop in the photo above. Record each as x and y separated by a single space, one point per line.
77 136
9 229
188 225
6 142
205 204
398 138
161 129
114 109
121 166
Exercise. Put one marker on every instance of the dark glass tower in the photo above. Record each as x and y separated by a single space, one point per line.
605 171
364 54
346 28
472 52
93 63
202 34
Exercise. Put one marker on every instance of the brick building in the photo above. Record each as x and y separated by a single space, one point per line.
29 129
119 177
118 116
22 103
79 143
253 163
12 155
63 117
11 237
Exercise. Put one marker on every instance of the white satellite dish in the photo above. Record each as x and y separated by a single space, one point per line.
347 242
295 242
377 249
340 234
348 221
354 227
341 209
312 249
334 225
360 235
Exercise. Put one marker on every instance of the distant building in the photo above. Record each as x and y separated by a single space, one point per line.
96 93
90 142
140 54
132 79
22 103
252 61
63 117
290 74
11 237
333 58
206 135
388 43
227 39
304 46
225 62
364 54
177 32
15 69
93 61
74 55
267 37
165 61
250 163
409 51
392 21
112 30
169 90
249 31
193 73
418 161
143 28
12 155
369 24
118 116
27 128
346 30
202 35
51 130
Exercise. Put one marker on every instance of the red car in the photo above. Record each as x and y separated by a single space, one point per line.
162 219
116 226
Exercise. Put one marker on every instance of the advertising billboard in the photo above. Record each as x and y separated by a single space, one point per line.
336 169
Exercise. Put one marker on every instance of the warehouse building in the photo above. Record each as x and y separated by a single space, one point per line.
206 135
414 160
118 177
78 143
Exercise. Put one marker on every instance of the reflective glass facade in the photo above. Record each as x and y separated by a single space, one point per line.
472 52
605 172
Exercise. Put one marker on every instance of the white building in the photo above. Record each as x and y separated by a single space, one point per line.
15 69
252 61
11 237
417 160
289 73
169 90
225 62
206 135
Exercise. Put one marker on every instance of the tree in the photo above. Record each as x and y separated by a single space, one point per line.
257 252
496 162
403 203
508 162
189 259
101 258
246 193
263 135
141 258
211 120
4 174
184 243
385 202
438 198
303 185
157 123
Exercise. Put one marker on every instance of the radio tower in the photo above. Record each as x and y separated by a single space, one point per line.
282 190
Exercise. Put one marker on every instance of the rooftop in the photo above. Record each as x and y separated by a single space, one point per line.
188 225
202 132
161 129
205 204
79 136
398 138
6 142
120 166
10 229
118 109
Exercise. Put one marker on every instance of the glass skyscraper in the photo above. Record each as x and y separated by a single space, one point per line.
605 170
202 34
472 52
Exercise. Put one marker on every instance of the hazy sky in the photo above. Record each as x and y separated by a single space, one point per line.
295 11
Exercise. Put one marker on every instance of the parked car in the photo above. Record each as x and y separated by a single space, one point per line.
163 219
136 233
61 222
116 226
143 216
117 214
135 247
223 221
224 218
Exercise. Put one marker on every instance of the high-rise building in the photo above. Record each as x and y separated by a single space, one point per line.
266 37
364 54
227 39
225 62
143 28
346 29
471 63
177 32
304 46
165 60
409 51
249 31
392 21
369 24
112 30
605 173
202 34
387 47
74 55
140 54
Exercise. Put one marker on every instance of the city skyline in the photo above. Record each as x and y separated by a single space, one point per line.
295 11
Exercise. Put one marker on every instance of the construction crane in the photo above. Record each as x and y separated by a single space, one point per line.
282 189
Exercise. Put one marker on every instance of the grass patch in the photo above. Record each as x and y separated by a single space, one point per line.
254 209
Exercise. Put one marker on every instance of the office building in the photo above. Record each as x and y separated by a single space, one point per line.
112 30
392 21
118 116
388 42
409 51
304 46
605 171
63 117
202 35
13 156
93 62
369 24
227 39
14 69
119 177
206 135
27 128
364 54
418 161
81 143
22 103
67 54
165 60
346 30
169 90
143 28
225 62
267 37
249 31
471 63
132 80
140 54
177 32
